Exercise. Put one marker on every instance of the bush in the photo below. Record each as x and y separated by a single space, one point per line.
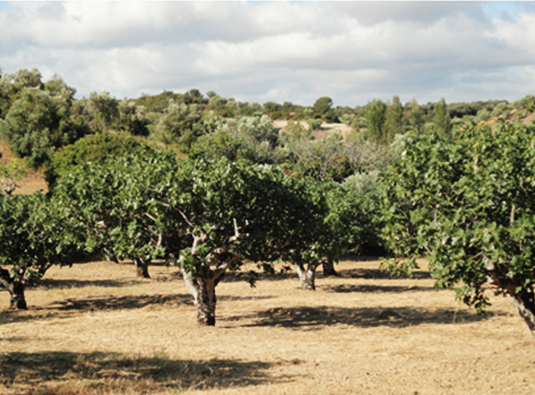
97 148
252 138
183 124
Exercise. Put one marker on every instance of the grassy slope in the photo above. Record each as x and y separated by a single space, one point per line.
33 182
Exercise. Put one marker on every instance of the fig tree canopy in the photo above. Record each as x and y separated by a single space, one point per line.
467 203
33 236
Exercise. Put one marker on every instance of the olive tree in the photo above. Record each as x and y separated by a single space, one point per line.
12 84
252 138
34 235
183 124
38 122
324 158
466 202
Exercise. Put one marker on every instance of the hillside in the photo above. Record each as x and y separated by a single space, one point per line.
33 182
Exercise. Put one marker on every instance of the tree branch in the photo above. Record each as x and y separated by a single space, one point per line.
196 241
150 216
237 235
185 218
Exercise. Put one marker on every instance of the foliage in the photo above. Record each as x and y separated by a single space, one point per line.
394 118
466 201
460 110
132 119
360 223
38 122
364 156
313 124
330 157
194 96
12 84
34 235
231 211
375 114
323 158
205 216
413 117
323 109
158 103
183 124
251 138
114 205
103 111
442 119
97 149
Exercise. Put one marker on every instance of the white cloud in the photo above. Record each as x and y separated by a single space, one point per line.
352 52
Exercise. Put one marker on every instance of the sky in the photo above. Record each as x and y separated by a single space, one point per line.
352 52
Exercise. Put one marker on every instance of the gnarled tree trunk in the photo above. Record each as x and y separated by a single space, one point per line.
308 275
17 301
523 300
328 268
202 287
110 256
525 303
142 267
15 287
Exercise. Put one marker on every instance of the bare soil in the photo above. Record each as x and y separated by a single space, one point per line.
95 328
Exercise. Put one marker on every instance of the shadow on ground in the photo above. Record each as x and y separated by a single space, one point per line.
258 276
365 317
349 288
49 283
64 309
379 274
123 302
103 372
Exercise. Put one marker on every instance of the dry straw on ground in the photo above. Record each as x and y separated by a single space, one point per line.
96 329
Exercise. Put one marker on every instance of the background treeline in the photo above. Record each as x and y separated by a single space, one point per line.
38 117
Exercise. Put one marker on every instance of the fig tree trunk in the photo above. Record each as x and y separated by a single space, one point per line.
110 256
328 268
202 288
142 267
308 275
525 303
17 300
15 287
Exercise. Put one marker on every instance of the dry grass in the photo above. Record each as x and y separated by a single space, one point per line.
96 329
